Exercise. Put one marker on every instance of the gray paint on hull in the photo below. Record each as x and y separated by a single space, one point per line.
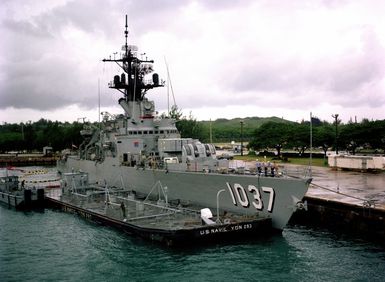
200 188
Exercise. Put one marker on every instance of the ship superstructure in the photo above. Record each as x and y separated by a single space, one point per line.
139 137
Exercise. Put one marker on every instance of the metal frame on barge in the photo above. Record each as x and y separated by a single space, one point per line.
153 217
177 237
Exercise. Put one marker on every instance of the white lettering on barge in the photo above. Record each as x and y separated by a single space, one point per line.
232 228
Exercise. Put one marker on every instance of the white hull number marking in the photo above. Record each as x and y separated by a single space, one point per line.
239 195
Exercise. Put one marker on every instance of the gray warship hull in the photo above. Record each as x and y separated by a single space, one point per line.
274 197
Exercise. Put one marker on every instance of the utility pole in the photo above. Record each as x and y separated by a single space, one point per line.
336 122
241 122
22 131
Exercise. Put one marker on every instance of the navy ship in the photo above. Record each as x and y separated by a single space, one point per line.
138 148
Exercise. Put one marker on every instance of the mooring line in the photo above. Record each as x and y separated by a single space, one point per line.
366 202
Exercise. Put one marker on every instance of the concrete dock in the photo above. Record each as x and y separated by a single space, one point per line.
345 201
356 188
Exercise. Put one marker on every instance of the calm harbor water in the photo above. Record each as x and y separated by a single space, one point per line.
55 246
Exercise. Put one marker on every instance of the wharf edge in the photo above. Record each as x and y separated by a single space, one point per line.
364 221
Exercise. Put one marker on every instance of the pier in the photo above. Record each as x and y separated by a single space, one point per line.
26 159
345 201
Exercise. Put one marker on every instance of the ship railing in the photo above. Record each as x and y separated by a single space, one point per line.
119 206
149 216
84 194
131 209
114 202
154 205
11 196
265 169
296 172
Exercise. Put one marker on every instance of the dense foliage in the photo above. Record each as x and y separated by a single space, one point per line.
261 133
227 130
188 127
296 136
34 136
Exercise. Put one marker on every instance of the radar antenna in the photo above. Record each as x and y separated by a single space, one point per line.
126 35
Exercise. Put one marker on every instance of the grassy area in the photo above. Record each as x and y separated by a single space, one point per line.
296 161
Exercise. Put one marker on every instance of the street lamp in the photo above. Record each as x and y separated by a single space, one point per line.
336 122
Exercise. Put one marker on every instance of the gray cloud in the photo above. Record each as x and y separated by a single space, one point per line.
36 70
40 85
352 79
40 69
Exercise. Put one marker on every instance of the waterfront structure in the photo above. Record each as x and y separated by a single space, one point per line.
358 163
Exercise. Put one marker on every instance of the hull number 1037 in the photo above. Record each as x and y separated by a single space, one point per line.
239 195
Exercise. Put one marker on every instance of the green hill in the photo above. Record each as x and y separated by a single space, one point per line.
226 130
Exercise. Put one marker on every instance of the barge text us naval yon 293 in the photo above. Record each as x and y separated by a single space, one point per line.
137 149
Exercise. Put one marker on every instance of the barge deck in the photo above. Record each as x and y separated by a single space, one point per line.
152 216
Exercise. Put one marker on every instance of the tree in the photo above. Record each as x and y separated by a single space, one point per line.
323 136
300 137
175 113
271 135
189 127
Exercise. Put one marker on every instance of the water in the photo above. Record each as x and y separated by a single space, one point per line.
55 246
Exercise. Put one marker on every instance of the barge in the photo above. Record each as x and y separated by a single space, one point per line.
15 195
153 217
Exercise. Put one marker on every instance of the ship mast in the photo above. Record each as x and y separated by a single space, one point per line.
131 82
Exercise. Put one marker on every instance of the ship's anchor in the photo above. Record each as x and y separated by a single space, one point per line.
298 204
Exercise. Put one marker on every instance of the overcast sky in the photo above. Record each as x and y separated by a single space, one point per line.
226 58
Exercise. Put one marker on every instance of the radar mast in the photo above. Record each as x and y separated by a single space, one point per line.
132 82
